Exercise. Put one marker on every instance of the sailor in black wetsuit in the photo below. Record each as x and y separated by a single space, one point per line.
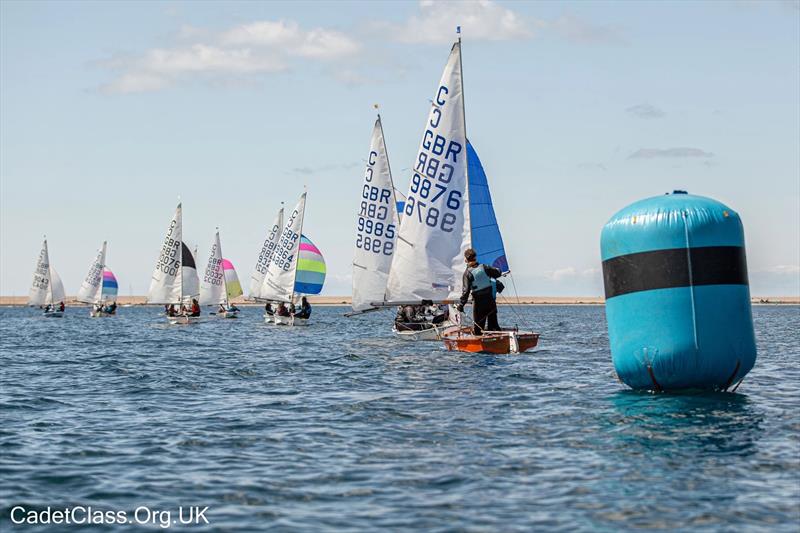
480 280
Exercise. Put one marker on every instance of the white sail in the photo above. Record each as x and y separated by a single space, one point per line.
165 286
56 293
212 288
190 288
40 286
279 282
265 256
376 227
92 287
435 228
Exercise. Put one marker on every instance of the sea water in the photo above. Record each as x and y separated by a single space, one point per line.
340 426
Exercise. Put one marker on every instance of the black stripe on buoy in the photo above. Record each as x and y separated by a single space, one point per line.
666 269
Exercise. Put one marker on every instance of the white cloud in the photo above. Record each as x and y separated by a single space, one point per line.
256 48
318 43
482 20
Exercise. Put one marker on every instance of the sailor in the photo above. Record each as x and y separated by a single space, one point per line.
305 309
195 310
221 310
480 280
282 310
61 306
268 309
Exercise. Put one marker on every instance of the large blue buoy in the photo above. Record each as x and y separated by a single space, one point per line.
677 295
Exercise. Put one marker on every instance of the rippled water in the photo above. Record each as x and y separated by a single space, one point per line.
339 426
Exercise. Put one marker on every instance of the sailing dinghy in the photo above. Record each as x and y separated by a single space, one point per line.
448 209
47 290
376 239
99 288
175 283
296 268
220 282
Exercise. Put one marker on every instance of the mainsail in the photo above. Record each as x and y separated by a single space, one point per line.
110 286
40 286
486 238
310 268
377 225
279 281
165 285
232 286
435 227
212 290
265 256
92 287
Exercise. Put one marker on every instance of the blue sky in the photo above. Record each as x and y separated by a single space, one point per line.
111 110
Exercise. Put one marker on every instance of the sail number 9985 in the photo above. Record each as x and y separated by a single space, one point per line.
375 236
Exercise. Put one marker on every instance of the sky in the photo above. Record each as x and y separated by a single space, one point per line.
111 111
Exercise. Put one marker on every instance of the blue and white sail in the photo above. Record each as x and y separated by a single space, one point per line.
486 238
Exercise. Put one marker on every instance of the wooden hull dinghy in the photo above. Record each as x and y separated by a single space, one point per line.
496 342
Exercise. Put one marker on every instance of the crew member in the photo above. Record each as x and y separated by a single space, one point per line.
479 279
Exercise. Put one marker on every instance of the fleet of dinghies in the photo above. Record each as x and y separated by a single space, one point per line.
409 254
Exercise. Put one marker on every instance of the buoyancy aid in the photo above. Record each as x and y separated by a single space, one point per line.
480 279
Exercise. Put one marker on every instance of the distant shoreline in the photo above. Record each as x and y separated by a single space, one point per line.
13 301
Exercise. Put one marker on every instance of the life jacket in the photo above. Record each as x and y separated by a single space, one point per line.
480 279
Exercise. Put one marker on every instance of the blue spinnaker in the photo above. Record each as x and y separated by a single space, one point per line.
486 238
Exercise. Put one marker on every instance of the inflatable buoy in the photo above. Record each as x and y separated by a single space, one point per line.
677 295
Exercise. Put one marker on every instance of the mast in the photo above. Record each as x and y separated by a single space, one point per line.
297 259
391 182
180 254
466 137
222 268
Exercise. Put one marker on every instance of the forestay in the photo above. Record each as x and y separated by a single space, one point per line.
212 289
40 286
165 285
265 256
486 238
91 289
376 228
279 281
435 228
